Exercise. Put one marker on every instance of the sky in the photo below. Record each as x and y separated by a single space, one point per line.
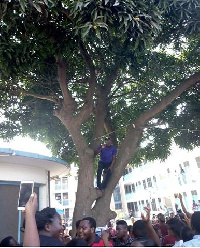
26 144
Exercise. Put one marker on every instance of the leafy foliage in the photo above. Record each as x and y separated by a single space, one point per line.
119 37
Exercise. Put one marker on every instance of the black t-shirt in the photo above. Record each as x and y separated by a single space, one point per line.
49 241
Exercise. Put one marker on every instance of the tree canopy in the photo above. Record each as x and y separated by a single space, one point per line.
73 72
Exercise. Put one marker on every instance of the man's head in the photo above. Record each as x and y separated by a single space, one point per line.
108 142
174 227
161 218
9 241
195 222
171 214
121 229
139 229
87 228
110 224
48 222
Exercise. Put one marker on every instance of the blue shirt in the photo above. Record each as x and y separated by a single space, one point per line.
107 153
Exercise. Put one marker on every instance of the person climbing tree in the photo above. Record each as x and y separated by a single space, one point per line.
108 154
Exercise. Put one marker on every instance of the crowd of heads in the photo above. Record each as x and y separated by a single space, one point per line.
169 231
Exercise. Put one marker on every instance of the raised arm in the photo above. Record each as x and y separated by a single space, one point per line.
183 207
31 236
151 232
99 149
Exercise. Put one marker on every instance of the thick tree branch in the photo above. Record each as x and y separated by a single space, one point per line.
165 101
129 146
62 76
88 106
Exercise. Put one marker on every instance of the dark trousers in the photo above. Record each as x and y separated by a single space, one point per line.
107 174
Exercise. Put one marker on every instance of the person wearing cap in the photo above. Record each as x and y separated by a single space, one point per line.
108 154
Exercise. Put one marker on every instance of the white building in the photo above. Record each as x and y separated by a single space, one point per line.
156 184
152 184
63 190
17 166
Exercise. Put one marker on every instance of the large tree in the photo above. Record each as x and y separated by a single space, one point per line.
73 72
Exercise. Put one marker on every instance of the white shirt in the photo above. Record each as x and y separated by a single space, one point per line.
193 242
178 243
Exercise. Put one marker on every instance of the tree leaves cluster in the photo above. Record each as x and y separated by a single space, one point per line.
118 37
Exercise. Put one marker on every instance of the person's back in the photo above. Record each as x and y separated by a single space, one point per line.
161 224
140 234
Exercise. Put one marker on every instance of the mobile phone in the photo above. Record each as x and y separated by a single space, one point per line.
26 189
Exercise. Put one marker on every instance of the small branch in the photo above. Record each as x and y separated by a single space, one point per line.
87 58
82 81
53 98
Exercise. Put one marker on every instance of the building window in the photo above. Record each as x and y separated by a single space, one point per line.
128 189
125 172
65 199
67 213
116 194
153 205
64 183
148 204
118 206
133 187
198 161
57 184
135 206
149 183
144 184
186 164
58 197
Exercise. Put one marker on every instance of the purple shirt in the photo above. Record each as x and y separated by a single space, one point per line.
107 153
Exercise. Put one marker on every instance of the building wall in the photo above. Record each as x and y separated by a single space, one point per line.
10 177
63 190
156 184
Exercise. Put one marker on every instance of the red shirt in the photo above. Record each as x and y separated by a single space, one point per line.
168 241
163 228
98 242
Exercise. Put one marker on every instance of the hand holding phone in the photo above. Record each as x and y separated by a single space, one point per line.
26 189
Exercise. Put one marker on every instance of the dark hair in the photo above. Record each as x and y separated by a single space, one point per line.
77 242
195 221
77 223
92 221
122 222
44 217
6 241
176 226
139 229
187 233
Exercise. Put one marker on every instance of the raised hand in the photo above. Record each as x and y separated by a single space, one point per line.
147 217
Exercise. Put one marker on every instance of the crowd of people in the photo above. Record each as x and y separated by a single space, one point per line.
44 228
